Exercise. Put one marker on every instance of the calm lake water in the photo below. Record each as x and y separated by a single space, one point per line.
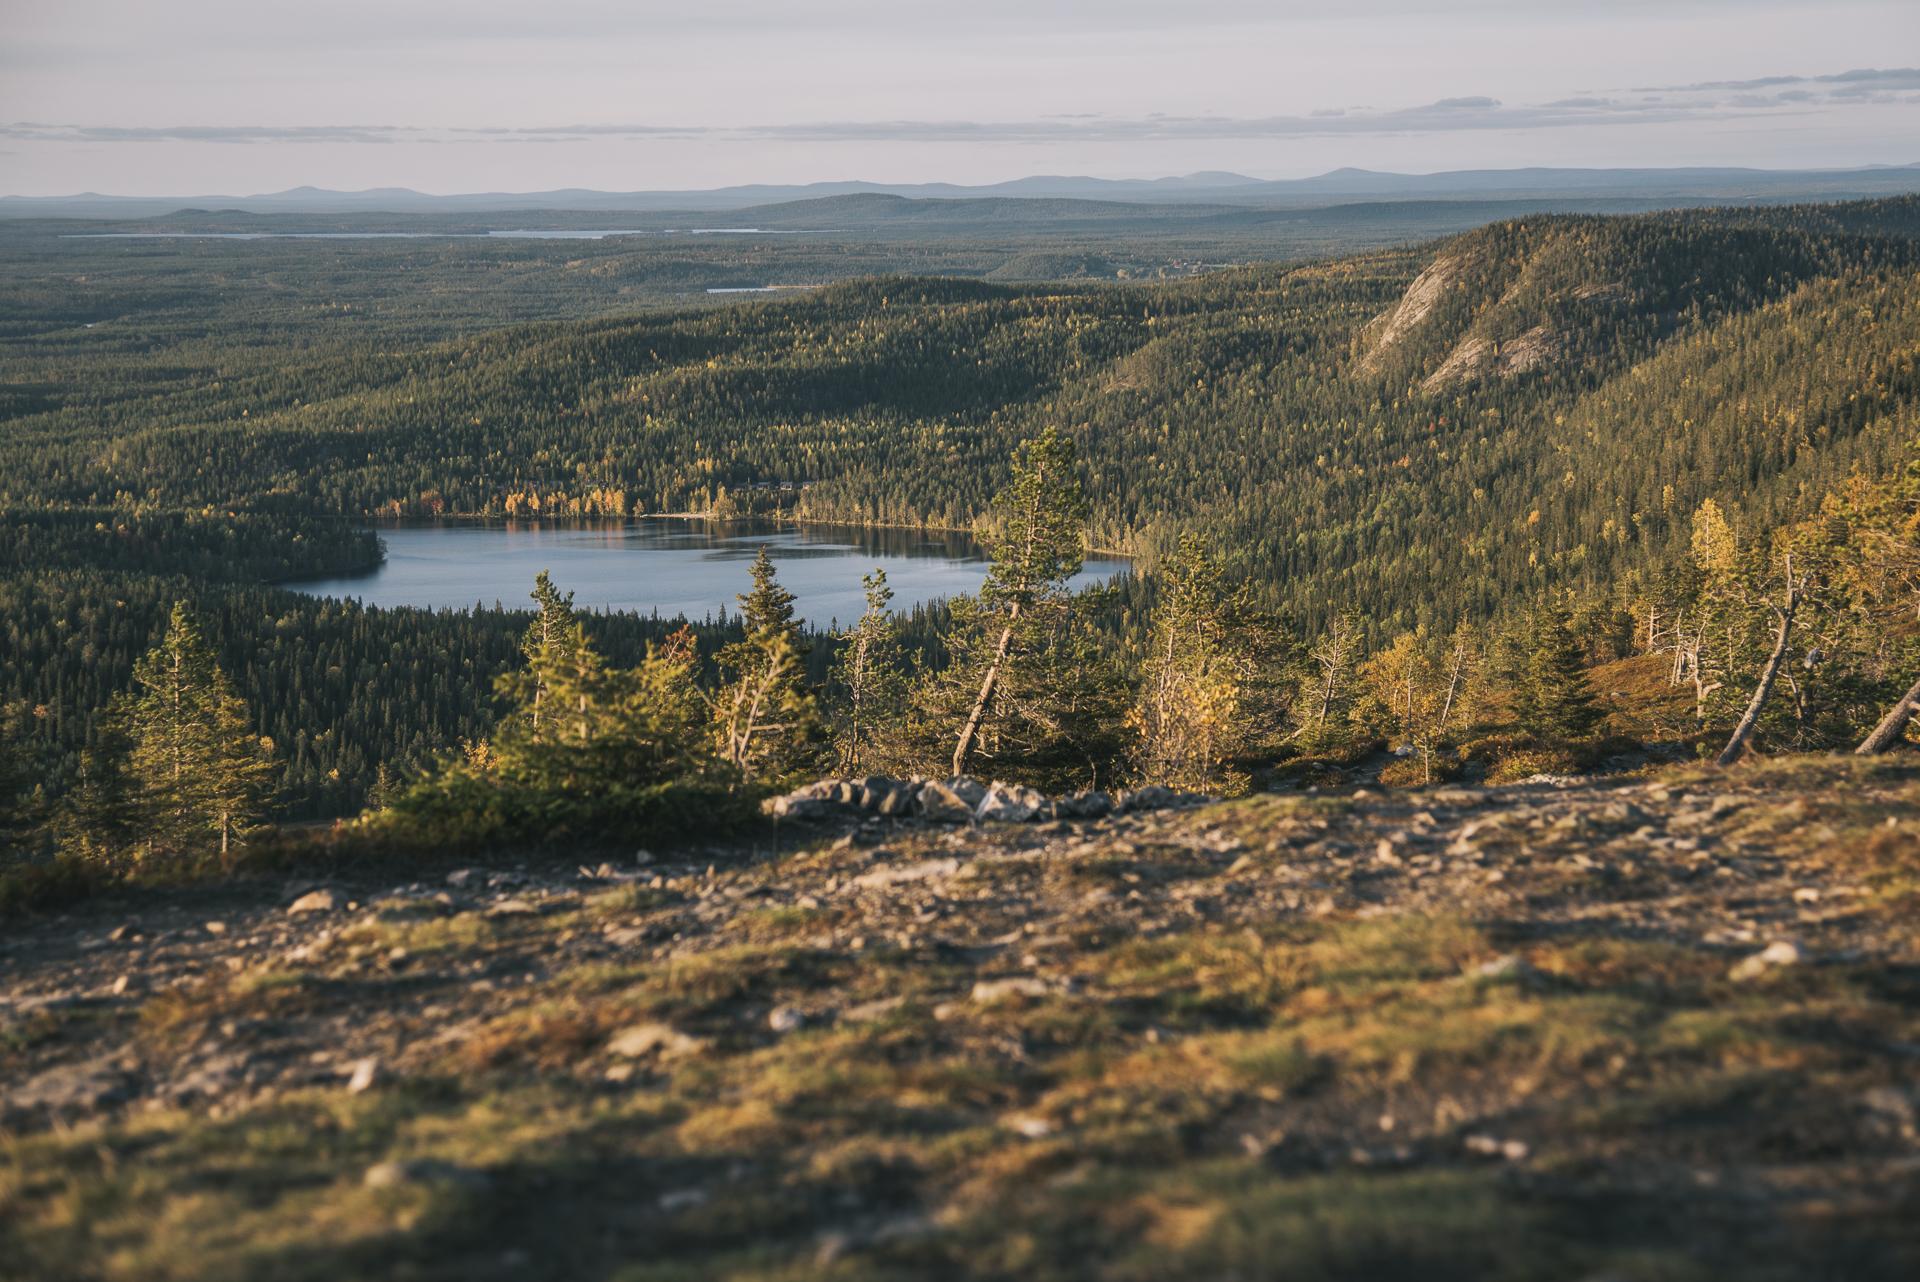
672 567
511 233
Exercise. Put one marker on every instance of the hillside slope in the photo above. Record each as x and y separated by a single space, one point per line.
1656 1028
1428 431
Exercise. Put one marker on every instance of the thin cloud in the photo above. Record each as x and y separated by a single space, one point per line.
1467 114
1889 78
29 131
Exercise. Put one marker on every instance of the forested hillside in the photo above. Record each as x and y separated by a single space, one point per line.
1428 429
1429 435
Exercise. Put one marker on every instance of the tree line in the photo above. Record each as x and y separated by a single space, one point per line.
1808 637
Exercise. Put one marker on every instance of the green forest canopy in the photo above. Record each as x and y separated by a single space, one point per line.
1426 432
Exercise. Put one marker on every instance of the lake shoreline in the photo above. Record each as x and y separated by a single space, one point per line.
682 565
486 521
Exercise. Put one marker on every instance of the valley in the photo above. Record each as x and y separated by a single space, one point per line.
1009 642
1406 931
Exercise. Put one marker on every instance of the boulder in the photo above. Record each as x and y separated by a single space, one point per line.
899 803
314 901
642 1040
1155 797
809 801
942 804
1151 797
799 805
991 992
1084 805
968 789
422 1170
876 791
69 1091
1780 953
1011 803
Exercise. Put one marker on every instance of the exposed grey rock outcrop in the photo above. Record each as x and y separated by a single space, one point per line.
962 800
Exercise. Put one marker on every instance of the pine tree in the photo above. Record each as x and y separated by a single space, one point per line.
606 728
96 819
199 774
768 607
22 806
1555 699
766 720
546 644
620 752
385 788
1037 545
869 676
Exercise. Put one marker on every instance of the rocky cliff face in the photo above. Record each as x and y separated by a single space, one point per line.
1661 1026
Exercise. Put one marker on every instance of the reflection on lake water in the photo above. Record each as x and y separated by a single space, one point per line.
665 566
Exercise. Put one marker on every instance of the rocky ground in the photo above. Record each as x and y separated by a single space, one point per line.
1660 1027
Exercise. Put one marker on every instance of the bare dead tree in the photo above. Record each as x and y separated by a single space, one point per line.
1893 726
1689 664
1899 562
1783 621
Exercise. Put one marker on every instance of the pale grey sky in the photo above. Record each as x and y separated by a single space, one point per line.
182 97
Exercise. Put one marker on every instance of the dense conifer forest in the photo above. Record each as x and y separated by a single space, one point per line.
1392 443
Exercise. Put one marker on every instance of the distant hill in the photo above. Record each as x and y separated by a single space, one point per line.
1682 185
1540 401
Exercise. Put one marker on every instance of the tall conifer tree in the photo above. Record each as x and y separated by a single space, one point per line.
549 642
766 720
199 774
1556 700
869 676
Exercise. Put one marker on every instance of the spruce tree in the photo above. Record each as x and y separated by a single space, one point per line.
768 606
1556 701
21 802
547 642
766 720
198 773
620 752
96 819
869 677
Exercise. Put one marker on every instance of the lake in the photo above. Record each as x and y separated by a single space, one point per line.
511 233
668 566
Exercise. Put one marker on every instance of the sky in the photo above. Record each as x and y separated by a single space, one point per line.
237 97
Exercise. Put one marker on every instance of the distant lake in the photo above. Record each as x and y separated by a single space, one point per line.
665 566
515 233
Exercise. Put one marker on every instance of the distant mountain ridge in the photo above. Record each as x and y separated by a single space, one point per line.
1714 185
